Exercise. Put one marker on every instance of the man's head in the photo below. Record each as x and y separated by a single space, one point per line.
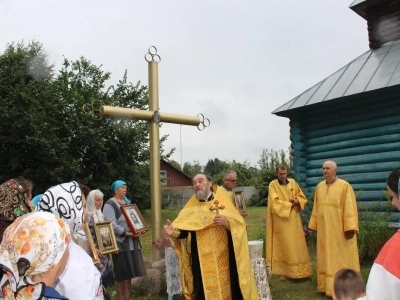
202 186
329 169
282 171
230 179
348 285
393 184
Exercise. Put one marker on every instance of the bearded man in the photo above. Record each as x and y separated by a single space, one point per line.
212 246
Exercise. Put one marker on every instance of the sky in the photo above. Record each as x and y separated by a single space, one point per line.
233 61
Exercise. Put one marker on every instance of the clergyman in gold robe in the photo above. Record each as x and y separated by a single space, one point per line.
212 246
335 218
287 252
230 180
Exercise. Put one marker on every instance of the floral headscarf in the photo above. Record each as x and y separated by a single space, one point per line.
12 201
91 207
32 244
65 201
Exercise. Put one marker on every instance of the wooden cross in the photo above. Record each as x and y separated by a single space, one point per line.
154 117
216 207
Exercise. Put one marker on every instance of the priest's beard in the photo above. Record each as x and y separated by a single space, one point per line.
201 195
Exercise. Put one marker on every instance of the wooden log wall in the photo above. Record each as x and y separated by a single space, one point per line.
362 137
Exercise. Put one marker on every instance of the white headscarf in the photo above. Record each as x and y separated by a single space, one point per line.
65 201
91 207
33 244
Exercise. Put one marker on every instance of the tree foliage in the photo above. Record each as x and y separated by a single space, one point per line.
215 167
192 169
175 164
258 176
48 137
268 162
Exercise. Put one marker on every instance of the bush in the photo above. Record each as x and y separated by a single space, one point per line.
374 231
311 235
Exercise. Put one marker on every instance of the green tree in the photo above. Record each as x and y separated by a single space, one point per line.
25 84
47 136
192 169
247 174
268 162
215 166
175 164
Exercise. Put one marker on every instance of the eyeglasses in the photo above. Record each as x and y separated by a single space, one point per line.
232 180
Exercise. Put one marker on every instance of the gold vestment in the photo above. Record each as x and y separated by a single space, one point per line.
287 252
213 249
334 212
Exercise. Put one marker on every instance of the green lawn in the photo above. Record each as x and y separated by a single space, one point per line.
289 289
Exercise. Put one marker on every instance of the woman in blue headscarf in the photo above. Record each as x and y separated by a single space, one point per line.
128 263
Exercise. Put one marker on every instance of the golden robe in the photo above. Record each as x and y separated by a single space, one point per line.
287 252
334 212
213 249
230 195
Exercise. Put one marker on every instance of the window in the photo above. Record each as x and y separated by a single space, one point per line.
163 177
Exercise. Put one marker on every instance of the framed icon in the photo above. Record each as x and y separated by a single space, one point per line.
84 239
134 218
105 237
240 203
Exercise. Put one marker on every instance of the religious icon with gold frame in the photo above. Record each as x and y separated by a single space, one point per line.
86 242
105 237
134 218
240 203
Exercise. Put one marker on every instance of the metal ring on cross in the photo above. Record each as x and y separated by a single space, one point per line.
93 109
152 55
204 122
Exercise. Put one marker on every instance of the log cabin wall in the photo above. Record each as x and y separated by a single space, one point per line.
362 136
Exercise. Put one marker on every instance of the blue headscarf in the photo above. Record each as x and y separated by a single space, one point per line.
116 185
36 199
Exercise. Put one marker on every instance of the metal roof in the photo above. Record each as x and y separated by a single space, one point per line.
375 69
359 6
356 2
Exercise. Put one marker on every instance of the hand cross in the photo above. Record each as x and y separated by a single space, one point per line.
216 207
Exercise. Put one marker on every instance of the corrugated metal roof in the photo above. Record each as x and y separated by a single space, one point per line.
375 69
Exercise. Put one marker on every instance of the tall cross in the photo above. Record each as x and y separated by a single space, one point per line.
154 116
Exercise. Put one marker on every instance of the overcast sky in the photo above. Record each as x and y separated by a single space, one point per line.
233 61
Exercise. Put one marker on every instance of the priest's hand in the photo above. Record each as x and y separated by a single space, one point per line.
168 228
295 202
222 221
349 234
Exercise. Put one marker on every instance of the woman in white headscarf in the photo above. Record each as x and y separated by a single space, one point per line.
94 204
81 279
33 254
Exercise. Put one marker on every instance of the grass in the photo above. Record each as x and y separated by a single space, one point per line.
290 289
